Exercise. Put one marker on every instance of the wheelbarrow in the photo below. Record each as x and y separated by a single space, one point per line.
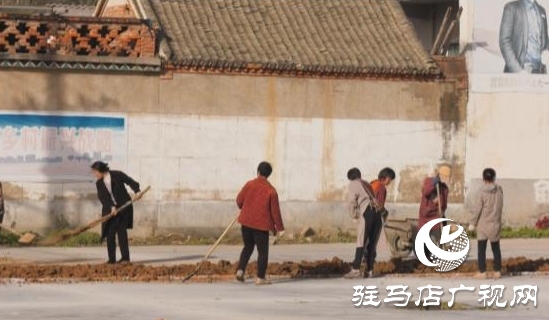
400 235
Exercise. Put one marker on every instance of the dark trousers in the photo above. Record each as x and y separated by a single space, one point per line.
435 235
117 227
373 226
255 238
496 251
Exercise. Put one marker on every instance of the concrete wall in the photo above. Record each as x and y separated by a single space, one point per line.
509 132
197 138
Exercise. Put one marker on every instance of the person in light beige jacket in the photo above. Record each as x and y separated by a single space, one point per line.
486 219
365 209
357 201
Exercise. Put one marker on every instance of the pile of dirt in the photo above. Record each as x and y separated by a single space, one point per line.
225 269
511 266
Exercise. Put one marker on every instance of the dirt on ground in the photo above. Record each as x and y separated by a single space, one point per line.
224 270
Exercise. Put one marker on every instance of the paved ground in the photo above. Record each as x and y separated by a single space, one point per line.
305 299
286 299
166 255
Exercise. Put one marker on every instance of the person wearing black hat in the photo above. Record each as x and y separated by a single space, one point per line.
111 191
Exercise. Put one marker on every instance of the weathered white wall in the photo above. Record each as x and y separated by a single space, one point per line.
509 132
206 160
197 138
206 157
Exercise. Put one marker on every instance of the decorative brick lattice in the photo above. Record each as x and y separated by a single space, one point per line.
76 36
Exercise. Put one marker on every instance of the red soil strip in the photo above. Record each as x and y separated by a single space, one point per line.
224 270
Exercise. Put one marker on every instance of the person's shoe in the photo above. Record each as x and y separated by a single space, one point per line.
369 274
262 282
480 275
110 262
123 261
497 274
354 273
240 276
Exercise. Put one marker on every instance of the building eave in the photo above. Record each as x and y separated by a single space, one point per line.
250 71
106 64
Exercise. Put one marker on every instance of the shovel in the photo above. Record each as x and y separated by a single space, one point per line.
439 202
72 233
26 238
212 248
440 214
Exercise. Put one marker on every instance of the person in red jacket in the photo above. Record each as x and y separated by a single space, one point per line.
260 213
429 208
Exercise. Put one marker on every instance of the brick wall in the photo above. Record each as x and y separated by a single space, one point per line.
76 36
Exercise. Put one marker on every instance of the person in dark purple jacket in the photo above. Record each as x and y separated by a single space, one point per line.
430 198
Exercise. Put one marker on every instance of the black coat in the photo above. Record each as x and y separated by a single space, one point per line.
119 180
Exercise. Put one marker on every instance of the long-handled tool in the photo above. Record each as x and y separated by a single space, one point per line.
441 32
439 202
274 240
26 238
440 214
72 233
213 247
455 23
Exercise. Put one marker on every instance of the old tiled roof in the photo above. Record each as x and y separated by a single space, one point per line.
344 38
72 8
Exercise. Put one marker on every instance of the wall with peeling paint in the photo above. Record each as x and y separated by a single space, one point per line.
197 138
508 131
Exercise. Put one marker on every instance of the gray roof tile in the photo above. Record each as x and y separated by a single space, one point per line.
321 37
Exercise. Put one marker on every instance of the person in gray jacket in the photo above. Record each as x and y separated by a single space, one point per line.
486 219
358 202
523 37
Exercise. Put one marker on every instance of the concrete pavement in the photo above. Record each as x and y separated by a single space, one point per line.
287 299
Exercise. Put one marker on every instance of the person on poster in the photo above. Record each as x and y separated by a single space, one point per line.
523 37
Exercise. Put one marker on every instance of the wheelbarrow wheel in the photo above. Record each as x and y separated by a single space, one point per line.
398 254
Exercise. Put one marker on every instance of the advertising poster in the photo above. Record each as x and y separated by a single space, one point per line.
510 46
45 147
